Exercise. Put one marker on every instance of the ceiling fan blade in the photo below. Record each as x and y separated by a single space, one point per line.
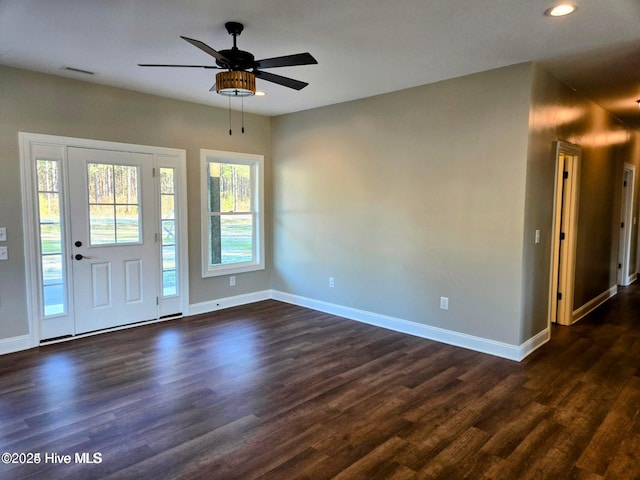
280 80
207 49
287 61
213 88
182 66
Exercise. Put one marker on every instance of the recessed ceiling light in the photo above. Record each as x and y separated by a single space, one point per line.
561 10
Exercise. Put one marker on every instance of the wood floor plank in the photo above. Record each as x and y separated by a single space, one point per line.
605 444
275 391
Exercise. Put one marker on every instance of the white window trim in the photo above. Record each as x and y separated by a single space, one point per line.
257 164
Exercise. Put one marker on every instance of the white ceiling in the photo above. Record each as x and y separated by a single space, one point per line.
363 47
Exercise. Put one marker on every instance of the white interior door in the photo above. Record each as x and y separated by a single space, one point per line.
564 233
626 227
113 245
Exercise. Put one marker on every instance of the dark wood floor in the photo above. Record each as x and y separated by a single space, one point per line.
276 391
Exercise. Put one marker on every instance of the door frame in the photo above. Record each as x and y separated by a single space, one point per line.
31 226
565 211
626 226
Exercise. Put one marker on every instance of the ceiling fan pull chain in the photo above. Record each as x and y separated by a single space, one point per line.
242 106
230 132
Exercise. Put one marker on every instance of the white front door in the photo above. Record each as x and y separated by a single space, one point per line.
114 256
107 234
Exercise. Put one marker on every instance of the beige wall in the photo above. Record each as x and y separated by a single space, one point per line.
407 197
402 198
38 103
559 113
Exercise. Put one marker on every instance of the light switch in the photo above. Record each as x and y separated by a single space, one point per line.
4 253
3 234
537 240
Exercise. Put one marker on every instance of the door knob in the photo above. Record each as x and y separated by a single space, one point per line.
79 256
78 243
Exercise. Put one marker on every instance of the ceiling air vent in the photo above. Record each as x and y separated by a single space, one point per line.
78 70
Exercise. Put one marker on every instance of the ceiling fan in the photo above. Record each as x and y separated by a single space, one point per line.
237 80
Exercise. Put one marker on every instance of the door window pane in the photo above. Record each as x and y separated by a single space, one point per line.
50 238
54 299
126 184
167 206
127 224
114 200
102 224
167 186
100 183
169 283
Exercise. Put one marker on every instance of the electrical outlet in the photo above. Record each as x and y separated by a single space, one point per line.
537 236
3 234
232 281
444 303
4 253
332 282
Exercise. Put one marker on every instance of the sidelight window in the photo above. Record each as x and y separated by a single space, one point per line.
168 235
54 290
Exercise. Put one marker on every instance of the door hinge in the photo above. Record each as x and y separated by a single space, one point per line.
619 265
625 183
559 296
156 237
565 174
561 235
157 301
622 225
154 172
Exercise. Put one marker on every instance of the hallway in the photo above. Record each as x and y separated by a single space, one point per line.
591 372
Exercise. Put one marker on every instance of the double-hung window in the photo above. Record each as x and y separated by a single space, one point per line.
232 212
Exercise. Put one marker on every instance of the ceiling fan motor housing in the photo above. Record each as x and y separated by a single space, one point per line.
238 59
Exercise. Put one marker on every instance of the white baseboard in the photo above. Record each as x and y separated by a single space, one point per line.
15 344
591 305
479 344
632 278
235 301
535 342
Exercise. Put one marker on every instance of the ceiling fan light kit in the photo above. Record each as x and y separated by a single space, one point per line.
236 83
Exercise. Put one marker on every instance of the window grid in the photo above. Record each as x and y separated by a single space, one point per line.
114 206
